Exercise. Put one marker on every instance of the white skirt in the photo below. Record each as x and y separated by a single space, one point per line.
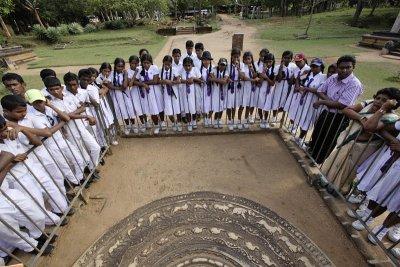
106 112
292 104
187 100
368 174
122 104
136 101
231 99
159 97
217 98
280 95
262 95
387 191
248 95
206 98
269 97
171 102
199 98
307 114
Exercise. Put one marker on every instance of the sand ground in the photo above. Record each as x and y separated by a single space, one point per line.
255 166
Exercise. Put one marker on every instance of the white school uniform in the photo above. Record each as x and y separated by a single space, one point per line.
9 239
104 103
171 94
121 99
307 114
140 106
20 178
178 67
197 62
219 91
264 99
292 101
250 89
47 94
193 56
153 96
76 131
63 151
281 88
205 90
187 91
234 96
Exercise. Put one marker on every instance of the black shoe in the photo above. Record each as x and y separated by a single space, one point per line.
70 213
6 260
102 161
64 222
46 251
42 239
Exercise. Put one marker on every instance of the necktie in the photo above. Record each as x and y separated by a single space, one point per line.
231 85
268 86
389 162
221 89
253 87
208 84
304 95
187 85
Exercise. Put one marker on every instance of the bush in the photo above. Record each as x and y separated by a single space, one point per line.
39 32
75 28
115 24
63 29
90 28
53 35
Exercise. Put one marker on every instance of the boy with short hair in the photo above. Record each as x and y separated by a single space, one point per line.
76 130
14 83
40 163
189 50
199 49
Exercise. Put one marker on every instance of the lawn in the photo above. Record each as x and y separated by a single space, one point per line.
95 48
330 37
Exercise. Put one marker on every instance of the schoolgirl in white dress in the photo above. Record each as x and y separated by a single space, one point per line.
206 87
169 85
120 95
235 91
306 114
292 101
283 80
189 76
148 80
249 82
220 77
264 99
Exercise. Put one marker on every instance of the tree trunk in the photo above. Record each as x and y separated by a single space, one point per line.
311 14
396 25
4 26
375 4
359 8
38 17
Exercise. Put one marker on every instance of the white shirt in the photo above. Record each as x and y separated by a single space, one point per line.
178 66
197 62
193 56
151 72
287 70
46 93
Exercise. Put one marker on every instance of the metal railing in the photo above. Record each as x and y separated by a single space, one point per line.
55 172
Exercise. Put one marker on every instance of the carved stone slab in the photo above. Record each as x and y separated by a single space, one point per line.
203 229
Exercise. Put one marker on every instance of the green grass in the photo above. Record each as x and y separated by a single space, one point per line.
97 47
330 37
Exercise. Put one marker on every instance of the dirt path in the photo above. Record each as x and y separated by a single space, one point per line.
254 166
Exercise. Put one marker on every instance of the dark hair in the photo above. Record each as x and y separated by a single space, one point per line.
235 51
11 102
84 73
270 56
143 50
46 73
199 46
2 121
287 53
146 57
12 76
118 60
346 58
189 44
262 51
68 77
53 81
333 66
176 51
187 60
133 58
93 71
167 58
105 65
249 54
392 93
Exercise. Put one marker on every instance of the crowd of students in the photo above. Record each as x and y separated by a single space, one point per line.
67 126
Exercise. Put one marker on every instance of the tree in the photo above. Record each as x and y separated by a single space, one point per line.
6 6
359 8
31 6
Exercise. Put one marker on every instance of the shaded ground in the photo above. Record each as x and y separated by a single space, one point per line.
254 166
